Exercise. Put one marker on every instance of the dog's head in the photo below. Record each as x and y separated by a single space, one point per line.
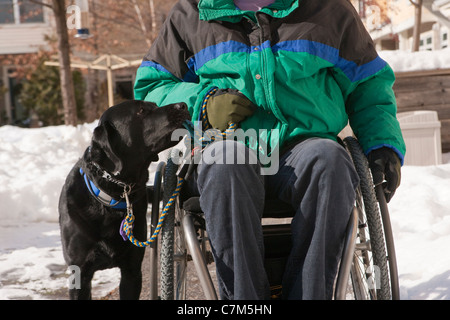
132 133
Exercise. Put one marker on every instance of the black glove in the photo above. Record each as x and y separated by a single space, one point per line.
386 169
226 106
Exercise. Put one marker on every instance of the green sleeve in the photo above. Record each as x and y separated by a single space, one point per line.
166 75
372 110
163 88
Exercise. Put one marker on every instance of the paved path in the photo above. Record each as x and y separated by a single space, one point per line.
194 290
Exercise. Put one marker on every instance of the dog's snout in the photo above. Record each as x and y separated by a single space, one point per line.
178 112
181 106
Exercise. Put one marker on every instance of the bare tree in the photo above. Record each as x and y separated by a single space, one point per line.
417 22
67 89
119 26
141 22
132 24
153 16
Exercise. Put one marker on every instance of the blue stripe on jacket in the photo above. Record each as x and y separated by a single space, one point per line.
190 76
330 54
353 71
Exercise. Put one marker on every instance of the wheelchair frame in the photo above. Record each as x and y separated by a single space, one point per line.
368 267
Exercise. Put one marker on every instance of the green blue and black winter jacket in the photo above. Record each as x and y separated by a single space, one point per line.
309 66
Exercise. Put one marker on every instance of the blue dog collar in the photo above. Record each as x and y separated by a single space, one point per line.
102 196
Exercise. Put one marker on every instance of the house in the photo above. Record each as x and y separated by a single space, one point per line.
417 91
23 28
391 23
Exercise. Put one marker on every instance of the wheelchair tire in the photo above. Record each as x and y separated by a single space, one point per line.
369 273
167 234
173 255
153 248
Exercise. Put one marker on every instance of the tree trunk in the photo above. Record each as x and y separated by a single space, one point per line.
153 17
65 72
417 22
141 22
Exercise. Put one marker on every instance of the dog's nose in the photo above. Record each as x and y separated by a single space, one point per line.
181 106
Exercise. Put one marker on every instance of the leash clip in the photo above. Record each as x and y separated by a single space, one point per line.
126 191
127 222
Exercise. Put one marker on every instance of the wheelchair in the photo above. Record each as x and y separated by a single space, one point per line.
368 266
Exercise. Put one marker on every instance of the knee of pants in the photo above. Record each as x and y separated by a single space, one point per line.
230 183
339 163
329 153
328 159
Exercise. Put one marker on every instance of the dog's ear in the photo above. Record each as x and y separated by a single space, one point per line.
102 148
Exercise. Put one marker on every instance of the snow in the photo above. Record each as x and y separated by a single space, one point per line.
420 215
35 162
33 167
402 61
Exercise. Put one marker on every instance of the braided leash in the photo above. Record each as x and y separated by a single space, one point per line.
126 228
127 224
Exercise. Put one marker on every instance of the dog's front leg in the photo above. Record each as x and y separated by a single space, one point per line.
83 292
130 283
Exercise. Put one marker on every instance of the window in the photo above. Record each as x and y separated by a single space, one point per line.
30 12
444 42
124 86
6 11
426 41
20 11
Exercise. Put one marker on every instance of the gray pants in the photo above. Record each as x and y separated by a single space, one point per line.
316 176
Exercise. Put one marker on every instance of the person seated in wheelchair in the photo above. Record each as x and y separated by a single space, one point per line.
295 72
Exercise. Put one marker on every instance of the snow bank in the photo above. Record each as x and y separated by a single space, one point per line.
33 166
402 61
420 215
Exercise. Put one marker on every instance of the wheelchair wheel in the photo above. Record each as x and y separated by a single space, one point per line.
153 248
183 239
173 256
369 272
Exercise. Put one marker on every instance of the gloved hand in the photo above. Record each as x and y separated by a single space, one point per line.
386 169
228 105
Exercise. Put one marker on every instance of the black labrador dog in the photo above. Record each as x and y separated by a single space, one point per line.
128 138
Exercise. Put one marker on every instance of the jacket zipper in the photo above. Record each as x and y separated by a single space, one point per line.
270 101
